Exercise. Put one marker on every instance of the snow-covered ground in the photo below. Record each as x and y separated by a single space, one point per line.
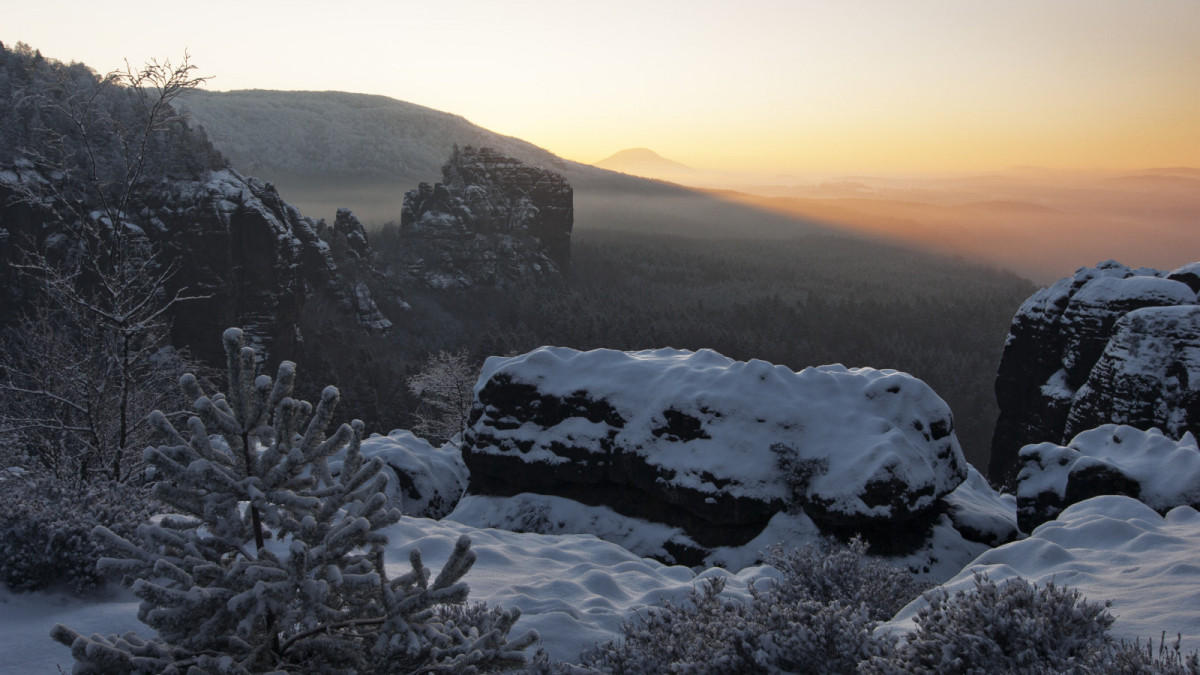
1109 548
575 590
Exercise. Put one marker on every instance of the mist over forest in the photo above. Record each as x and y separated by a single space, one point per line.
653 264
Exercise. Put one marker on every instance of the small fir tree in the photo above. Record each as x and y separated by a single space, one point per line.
272 564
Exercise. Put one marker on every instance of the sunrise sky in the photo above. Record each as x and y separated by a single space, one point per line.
780 86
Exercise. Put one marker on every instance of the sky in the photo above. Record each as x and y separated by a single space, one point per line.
770 86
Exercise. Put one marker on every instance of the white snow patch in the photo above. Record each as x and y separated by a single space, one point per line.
976 507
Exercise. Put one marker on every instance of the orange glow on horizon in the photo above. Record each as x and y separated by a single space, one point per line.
771 86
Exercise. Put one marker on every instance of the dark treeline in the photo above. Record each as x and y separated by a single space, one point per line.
812 300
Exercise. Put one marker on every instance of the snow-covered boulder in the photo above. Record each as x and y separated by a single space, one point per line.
1109 548
423 481
1108 460
713 446
1108 345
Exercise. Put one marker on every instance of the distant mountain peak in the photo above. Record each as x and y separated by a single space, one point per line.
644 162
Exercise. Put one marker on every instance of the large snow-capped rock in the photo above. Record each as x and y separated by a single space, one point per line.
493 221
1109 548
1108 345
1108 460
713 446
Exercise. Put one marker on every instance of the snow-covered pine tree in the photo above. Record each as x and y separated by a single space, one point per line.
273 565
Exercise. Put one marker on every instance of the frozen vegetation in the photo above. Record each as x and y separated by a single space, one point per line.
591 605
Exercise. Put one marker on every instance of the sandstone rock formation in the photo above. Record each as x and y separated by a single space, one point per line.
235 240
1109 344
717 447
492 222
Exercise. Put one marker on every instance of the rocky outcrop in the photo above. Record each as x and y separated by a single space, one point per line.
1108 460
1110 344
73 183
254 258
717 447
492 222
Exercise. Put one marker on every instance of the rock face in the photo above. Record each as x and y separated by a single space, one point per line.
1110 344
492 222
236 241
716 447
1108 460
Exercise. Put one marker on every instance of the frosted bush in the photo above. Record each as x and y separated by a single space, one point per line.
703 634
817 618
828 573
1007 627
46 530
1130 658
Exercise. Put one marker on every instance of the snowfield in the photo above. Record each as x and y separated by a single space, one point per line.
1109 548
575 590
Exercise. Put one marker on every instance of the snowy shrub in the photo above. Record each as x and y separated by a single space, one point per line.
703 634
46 530
274 565
817 618
829 573
1012 626
1130 658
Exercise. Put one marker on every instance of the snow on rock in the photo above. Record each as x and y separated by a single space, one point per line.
1108 460
713 446
1149 372
979 513
423 481
941 555
1109 548
1107 345
546 514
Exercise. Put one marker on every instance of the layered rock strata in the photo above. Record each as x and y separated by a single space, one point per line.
715 446
1108 345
